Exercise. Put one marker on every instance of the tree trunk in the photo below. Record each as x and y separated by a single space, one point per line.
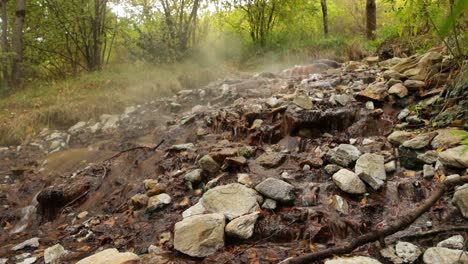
371 19
17 41
323 3
5 48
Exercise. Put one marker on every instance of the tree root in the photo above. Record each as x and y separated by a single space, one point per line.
394 226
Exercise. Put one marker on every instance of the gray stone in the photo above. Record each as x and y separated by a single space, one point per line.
182 147
207 163
399 90
110 256
391 74
196 209
332 168
200 235
269 204
403 114
414 84
407 251
271 159
109 122
53 254
445 138
232 200
77 127
392 82
245 179
390 166
455 157
428 171
398 137
453 242
441 255
194 176
429 157
302 99
344 99
242 226
276 189
349 182
460 199
370 105
352 260
343 155
420 141
30 260
370 168
31 243
158 202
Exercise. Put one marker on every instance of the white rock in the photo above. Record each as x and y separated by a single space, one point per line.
110 256
428 171
352 260
390 166
371 169
200 235
455 157
398 137
460 199
349 182
276 189
245 179
453 242
53 254
269 204
407 251
196 209
30 260
441 255
242 226
32 243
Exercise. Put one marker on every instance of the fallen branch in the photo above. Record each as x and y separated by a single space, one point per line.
430 233
394 226
134 148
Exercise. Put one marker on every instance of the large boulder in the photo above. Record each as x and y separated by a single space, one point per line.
200 235
276 189
232 200
111 256
441 255
371 169
445 138
455 157
349 182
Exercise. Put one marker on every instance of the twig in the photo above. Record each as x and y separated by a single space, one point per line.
433 232
134 148
394 226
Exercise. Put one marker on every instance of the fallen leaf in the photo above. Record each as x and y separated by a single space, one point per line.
409 173
312 247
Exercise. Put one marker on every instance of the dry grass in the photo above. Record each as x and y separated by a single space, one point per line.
61 104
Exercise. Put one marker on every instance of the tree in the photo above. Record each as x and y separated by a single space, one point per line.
5 47
371 19
17 41
323 3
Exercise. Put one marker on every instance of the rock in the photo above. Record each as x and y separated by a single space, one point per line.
302 99
340 204
415 84
242 226
390 166
158 202
53 254
352 260
109 122
77 127
453 242
455 157
409 160
440 255
407 251
30 243
269 204
276 189
156 189
403 114
429 157
182 147
445 138
196 209
232 200
82 215
194 176
200 235
349 182
111 256
150 183
30 260
344 99
271 159
398 137
370 168
376 92
207 163
392 82
306 167
420 141
332 168
460 199
343 155
391 74
370 105
3 260
399 90
139 200
428 171
245 179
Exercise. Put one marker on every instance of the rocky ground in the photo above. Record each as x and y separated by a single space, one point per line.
257 169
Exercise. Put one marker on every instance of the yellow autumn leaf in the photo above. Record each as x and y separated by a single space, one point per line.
312 247
439 150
